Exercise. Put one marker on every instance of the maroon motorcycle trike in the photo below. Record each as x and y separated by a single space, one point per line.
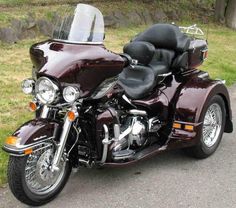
96 108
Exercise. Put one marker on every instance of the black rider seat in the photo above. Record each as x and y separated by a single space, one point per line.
137 82
159 50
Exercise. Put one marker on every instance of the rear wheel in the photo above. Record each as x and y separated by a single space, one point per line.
213 119
31 180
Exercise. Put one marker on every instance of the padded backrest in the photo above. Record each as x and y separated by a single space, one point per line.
141 51
165 36
163 56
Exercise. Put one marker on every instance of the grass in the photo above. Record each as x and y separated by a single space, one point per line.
16 66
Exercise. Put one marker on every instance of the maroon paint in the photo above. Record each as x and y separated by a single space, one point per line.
83 65
195 95
156 104
182 98
39 129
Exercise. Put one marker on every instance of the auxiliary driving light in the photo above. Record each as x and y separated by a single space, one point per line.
28 86
70 94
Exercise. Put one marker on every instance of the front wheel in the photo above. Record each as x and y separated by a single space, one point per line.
31 180
213 119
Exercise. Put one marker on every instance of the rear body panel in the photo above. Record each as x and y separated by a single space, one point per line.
183 99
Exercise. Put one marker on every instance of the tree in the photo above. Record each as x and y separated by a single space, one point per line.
220 6
225 12
230 15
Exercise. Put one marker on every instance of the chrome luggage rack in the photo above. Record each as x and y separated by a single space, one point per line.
192 30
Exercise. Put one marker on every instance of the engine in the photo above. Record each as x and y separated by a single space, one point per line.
137 136
131 135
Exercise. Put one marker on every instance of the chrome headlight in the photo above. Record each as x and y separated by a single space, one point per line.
46 90
70 94
28 86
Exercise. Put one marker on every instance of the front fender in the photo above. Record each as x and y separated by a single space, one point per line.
33 133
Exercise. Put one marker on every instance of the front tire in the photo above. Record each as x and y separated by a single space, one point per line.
36 188
213 119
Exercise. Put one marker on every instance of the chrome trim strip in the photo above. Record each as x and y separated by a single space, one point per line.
138 112
222 81
20 152
203 75
165 75
21 148
128 101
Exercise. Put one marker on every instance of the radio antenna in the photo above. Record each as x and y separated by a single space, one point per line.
208 27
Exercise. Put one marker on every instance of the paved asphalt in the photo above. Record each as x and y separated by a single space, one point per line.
169 180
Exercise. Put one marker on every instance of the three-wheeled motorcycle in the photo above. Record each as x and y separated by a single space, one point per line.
97 108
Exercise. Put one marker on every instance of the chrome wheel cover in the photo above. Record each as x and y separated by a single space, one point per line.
38 176
212 125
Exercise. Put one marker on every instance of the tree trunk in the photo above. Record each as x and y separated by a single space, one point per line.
220 10
230 15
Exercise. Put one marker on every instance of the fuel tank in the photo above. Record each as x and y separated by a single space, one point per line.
83 65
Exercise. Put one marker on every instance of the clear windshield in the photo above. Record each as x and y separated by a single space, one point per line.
85 24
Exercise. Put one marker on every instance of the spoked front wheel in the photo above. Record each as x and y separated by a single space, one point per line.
213 119
31 180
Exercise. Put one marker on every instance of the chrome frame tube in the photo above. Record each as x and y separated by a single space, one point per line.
105 142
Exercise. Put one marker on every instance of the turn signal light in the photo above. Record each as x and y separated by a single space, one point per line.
11 140
71 116
176 125
28 151
33 106
189 127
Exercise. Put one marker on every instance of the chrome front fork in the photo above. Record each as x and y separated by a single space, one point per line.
61 146
44 112
63 138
